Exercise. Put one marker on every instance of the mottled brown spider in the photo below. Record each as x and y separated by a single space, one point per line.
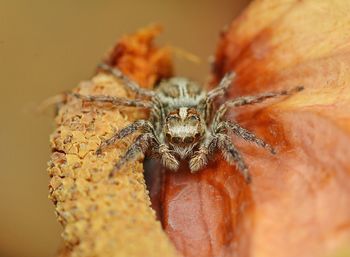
182 125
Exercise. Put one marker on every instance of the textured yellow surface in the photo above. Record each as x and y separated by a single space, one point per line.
100 216
104 216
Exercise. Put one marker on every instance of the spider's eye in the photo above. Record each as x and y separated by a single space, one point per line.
171 118
189 140
168 136
197 135
176 140
193 118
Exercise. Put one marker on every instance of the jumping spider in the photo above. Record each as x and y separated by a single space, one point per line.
182 124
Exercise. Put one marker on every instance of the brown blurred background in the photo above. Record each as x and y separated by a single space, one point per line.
47 47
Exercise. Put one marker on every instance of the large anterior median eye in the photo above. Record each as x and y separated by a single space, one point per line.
176 140
188 140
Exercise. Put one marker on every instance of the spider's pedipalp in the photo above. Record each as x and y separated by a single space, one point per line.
167 158
200 158
127 82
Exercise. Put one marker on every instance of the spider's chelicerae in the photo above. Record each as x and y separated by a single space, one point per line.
182 124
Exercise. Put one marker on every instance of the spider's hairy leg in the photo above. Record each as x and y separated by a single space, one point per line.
167 158
232 156
225 82
220 90
261 97
130 129
243 133
114 100
140 145
128 82
245 100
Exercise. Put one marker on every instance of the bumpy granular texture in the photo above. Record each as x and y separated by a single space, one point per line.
102 216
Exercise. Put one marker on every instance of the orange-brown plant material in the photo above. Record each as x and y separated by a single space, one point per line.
103 216
298 203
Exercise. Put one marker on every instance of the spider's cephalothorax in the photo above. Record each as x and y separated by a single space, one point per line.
182 125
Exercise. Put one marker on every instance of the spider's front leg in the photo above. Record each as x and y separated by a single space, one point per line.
232 155
221 126
128 130
220 90
127 82
147 140
139 146
247 100
117 101
228 150
230 126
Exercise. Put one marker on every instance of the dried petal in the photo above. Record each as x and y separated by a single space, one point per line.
299 201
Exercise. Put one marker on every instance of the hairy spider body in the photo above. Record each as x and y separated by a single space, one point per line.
182 125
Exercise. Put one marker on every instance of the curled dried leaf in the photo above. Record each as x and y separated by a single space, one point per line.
299 201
